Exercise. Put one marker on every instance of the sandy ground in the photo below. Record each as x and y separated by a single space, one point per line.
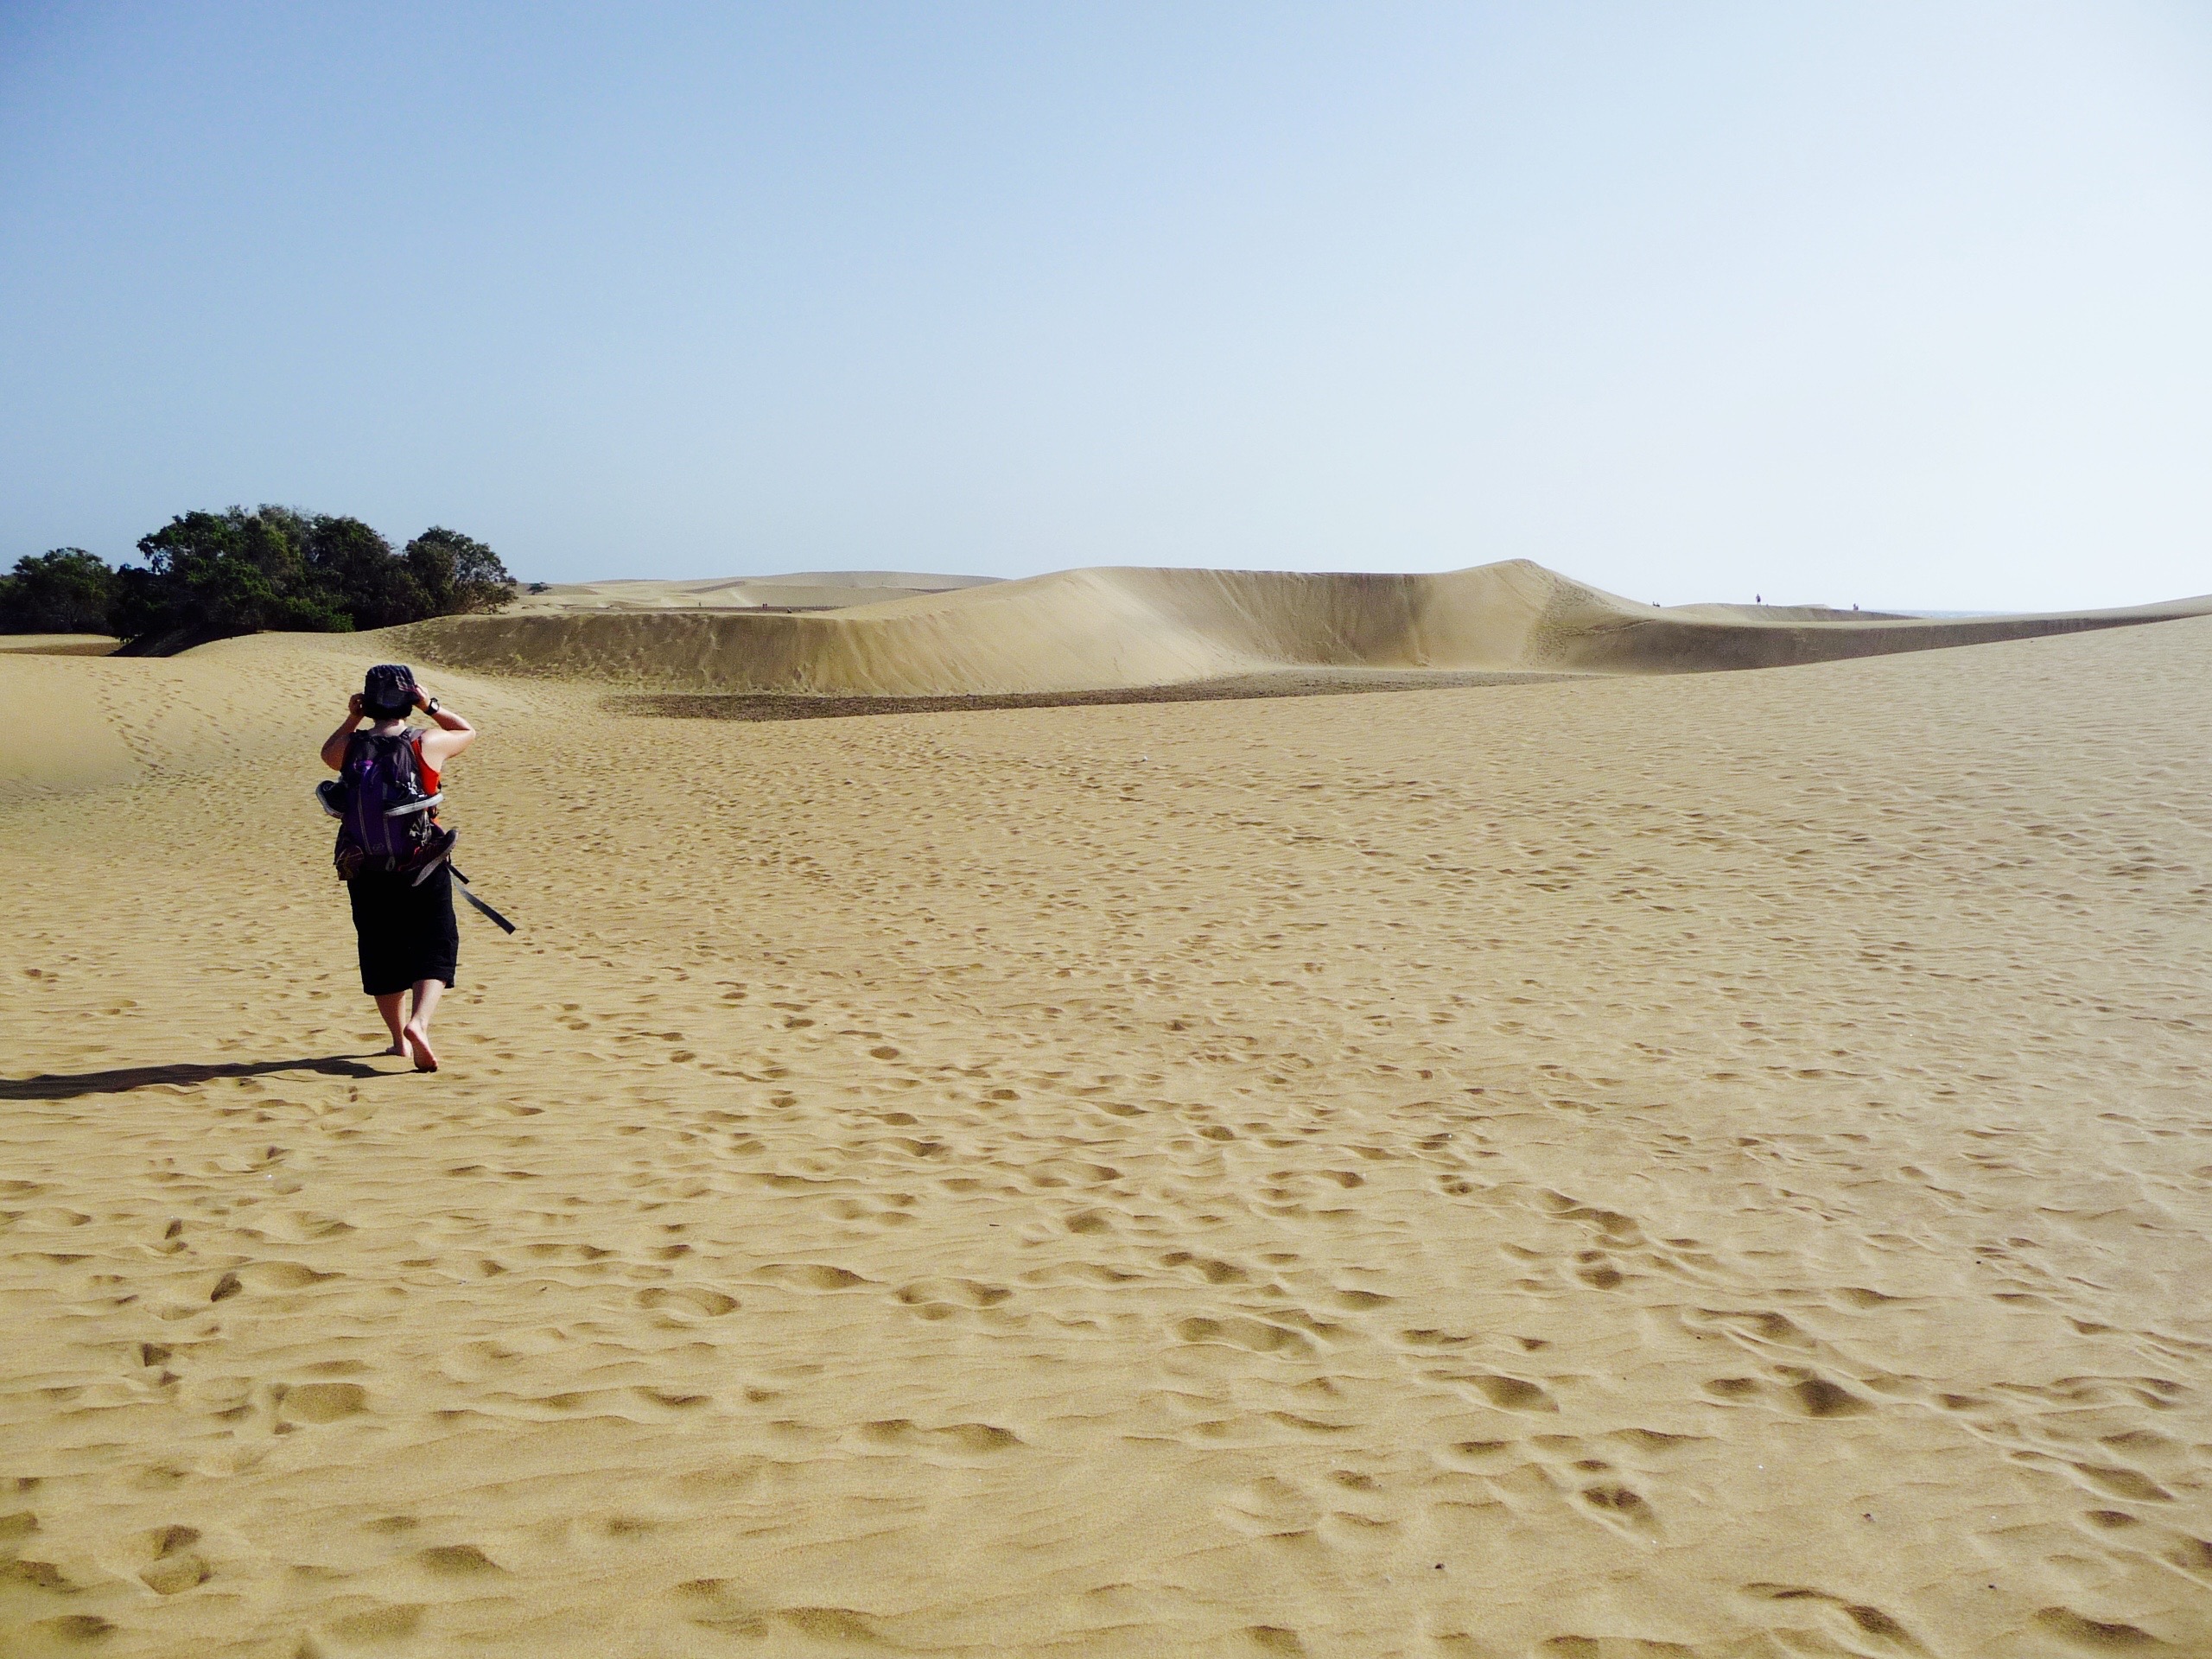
807 590
60 644
1711 1165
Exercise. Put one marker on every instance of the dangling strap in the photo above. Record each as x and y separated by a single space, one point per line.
503 923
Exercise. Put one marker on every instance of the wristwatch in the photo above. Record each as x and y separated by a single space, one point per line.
431 707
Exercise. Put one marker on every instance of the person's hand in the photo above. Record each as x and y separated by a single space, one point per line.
354 705
422 699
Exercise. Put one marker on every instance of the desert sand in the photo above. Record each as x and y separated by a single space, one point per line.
58 644
1617 1163
1099 631
809 591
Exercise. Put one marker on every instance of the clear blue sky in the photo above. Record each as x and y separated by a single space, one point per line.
1902 303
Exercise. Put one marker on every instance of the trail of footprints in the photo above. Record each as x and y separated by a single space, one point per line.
1098 1203
1103 1207
1317 1194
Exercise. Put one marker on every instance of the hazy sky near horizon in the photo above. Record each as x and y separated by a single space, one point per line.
1887 303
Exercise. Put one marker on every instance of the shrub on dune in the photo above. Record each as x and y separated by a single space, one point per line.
209 575
458 572
66 591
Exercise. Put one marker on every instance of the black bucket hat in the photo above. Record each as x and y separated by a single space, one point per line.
388 690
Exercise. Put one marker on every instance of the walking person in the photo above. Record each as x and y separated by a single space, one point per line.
391 851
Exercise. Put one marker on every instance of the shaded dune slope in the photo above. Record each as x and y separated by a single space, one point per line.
1111 629
810 590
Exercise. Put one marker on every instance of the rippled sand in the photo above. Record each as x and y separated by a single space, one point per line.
1716 1165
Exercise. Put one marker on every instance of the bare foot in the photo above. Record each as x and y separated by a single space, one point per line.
398 1046
418 1043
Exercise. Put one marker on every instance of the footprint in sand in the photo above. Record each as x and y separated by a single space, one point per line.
1511 1392
687 1299
176 1566
320 1402
810 1276
456 1561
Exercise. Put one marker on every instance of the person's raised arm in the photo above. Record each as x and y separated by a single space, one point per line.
453 733
334 746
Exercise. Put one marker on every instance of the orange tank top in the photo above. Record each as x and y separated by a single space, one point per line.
414 736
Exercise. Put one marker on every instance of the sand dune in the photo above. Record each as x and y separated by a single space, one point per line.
811 590
58 644
1634 1165
1104 629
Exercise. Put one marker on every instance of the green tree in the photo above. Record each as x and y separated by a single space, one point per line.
209 575
458 572
357 568
66 591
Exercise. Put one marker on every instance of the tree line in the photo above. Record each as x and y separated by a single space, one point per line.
209 575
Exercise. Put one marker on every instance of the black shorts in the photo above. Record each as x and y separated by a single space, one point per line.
407 933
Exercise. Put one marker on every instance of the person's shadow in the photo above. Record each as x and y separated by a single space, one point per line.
67 1085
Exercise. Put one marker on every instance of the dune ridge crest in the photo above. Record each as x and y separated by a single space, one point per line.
1114 628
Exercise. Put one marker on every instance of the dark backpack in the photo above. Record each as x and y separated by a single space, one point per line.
386 820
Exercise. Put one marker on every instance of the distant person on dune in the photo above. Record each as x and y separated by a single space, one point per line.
392 852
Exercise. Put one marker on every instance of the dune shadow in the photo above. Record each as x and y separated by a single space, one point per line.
68 1085
1307 682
